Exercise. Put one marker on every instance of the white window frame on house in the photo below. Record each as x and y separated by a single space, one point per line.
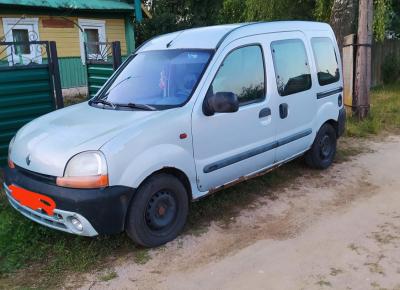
31 25
100 25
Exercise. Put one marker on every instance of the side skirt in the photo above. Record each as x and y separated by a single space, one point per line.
250 176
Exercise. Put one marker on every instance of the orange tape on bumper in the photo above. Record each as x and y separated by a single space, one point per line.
33 200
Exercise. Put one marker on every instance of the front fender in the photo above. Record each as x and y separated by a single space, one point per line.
156 158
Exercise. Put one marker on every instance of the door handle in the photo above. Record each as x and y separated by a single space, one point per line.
264 113
283 110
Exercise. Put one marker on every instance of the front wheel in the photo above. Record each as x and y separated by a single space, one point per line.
158 211
323 151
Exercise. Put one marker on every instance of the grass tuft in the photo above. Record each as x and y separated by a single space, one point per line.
141 256
108 276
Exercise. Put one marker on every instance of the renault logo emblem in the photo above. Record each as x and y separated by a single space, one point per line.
28 159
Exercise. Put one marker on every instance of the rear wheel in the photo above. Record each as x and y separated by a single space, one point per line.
158 211
323 151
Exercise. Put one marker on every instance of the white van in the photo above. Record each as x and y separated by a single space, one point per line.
187 114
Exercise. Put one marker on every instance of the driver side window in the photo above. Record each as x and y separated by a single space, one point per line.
243 74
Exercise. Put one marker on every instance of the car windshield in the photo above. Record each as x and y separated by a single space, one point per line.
156 79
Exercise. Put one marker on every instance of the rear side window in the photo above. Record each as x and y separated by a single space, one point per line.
292 70
325 57
242 73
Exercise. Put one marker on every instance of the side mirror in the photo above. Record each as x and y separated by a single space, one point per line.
221 102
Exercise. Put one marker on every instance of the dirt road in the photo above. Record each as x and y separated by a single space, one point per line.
337 229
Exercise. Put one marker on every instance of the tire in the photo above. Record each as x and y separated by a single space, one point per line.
158 211
323 151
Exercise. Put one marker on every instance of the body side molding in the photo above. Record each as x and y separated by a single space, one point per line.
256 151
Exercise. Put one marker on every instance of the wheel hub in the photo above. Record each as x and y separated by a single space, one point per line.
161 210
325 146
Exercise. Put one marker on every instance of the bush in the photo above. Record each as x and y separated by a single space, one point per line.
391 69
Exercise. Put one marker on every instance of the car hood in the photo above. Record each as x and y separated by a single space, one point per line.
47 143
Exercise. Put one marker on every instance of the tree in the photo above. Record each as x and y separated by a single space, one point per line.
261 10
233 11
173 15
343 18
323 10
381 18
394 19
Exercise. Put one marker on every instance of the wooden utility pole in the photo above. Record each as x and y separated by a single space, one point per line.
363 59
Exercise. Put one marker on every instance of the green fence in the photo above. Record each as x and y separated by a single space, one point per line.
98 74
101 66
27 91
73 72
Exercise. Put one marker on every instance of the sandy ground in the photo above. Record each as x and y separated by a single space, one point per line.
337 229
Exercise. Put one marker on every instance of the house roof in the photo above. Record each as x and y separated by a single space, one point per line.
109 5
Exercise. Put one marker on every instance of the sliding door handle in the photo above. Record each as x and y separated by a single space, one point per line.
283 110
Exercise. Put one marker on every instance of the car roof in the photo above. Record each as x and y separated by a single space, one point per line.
211 37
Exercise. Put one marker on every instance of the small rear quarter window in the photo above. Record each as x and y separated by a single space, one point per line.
326 60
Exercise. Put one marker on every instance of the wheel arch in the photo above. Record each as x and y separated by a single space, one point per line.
328 113
176 173
180 175
171 171
334 124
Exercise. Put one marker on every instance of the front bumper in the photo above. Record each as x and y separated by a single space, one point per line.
100 211
61 220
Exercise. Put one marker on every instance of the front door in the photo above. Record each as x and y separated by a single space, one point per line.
294 91
228 146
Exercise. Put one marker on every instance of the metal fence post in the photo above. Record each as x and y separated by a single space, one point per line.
116 53
56 75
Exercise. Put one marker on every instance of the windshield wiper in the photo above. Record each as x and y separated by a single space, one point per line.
104 102
137 106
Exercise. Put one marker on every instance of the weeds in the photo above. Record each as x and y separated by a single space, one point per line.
384 114
141 256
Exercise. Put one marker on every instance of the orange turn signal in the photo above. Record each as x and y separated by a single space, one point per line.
83 181
11 164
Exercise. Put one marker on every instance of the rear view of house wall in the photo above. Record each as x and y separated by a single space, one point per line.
72 70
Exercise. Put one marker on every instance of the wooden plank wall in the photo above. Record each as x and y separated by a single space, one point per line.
380 51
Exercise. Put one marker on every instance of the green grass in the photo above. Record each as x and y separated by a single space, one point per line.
48 252
108 276
141 256
31 256
384 114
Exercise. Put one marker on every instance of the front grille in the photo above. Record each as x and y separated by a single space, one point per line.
37 176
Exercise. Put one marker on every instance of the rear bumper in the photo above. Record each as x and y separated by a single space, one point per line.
100 211
341 122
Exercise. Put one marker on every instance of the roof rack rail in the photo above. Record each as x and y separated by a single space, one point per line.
233 30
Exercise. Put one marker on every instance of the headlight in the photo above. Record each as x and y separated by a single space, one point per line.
10 162
85 170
